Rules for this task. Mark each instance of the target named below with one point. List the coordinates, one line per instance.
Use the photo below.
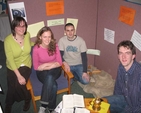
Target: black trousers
(17, 92)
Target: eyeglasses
(23, 26)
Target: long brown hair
(52, 44)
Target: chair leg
(29, 87)
(33, 101)
(69, 85)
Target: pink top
(40, 56)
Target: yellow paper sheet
(104, 107)
(34, 28)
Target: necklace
(18, 41)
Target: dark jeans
(17, 92)
(49, 88)
(117, 103)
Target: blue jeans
(77, 71)
(49, 88)
(117, 103)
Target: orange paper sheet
(127, 15)
(54, 8)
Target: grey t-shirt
(72, 49)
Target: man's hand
(86, 77)
(67, 67)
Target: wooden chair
(35, 86)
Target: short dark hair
(127, 44)
(16, 22)
(68, 24)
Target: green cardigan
(15, 55)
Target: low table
(87, 103)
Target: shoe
(26, 105)
(42, 110)
(8, 109)
(53, 112)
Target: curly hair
(52, 45)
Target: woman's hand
(41, 67)
(21, 80)
(48, 66)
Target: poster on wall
(134, 1)
(17, 9)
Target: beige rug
(100, 85)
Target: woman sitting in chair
(47, 61)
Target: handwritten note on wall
(127, 15)
(55, 22)
(54, 8)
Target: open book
(73, 100)
(76, 110)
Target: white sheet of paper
(0, 89)
(109, 35)
(55, 22)
(1, 110)
(136, 39)
(67, 110)
(81, 110)
(59, 107)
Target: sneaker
(42, 110)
